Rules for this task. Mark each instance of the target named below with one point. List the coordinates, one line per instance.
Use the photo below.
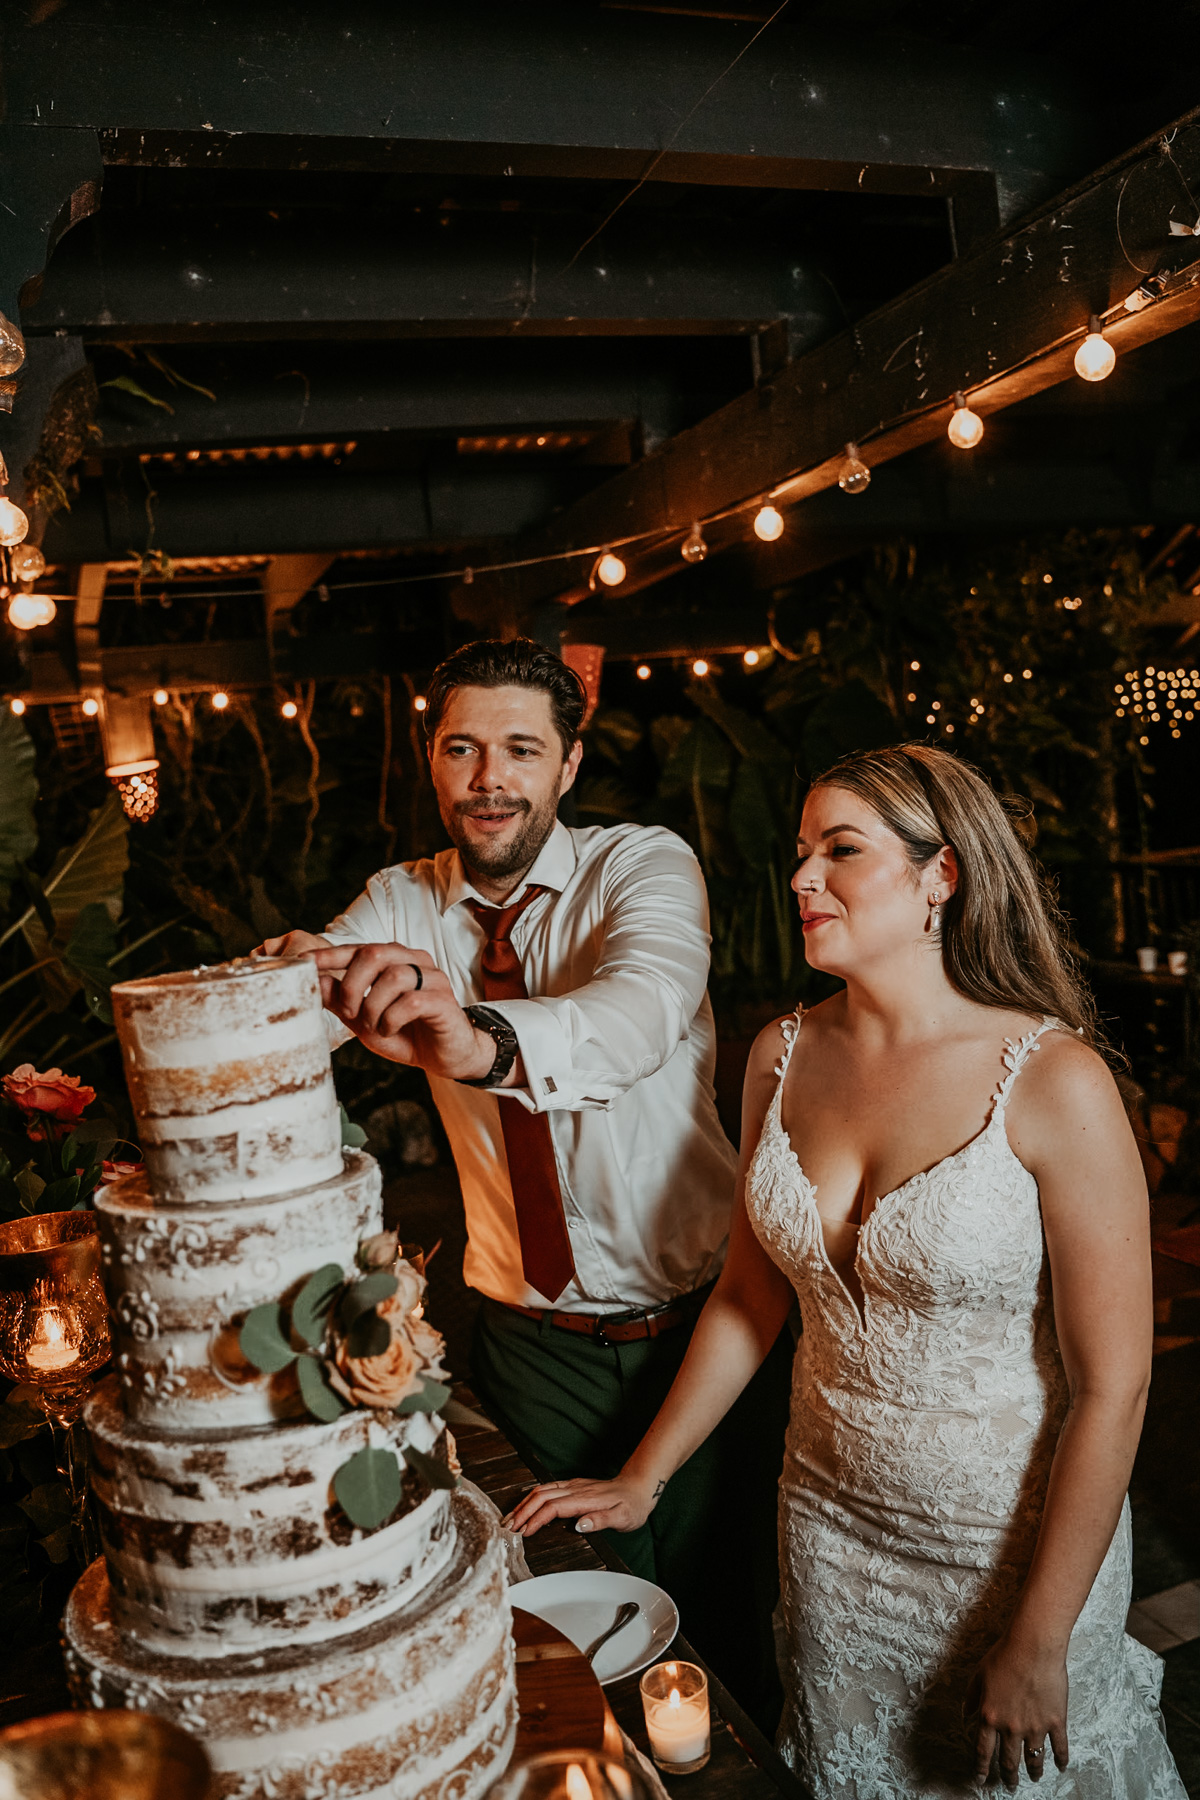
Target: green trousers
(572, 1405)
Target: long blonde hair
(1003, 938)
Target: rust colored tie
(546, 1256)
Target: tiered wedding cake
(316, 1659)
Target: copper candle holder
(107, 1755)
(54, 1336)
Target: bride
(937, 1161)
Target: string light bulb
(966, 427)
(13, 524)
(1095, 358)
(161, 696)
(643, 671)
(220, 700)
(90, 707)
(420, 703)
(750, 658)
(768, 524)
(855, 477)
(289, 709)
(27, 563)
(610, 569)
(699, 667)
(12, 347)
(17, 707)
(27, 611)
(694, 549)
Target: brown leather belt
(623, 1327)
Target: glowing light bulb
(161, 696)
(643, 671)
(1095, 358)
(855, 477)
(914, 666)
(27, 563)
(966, 427)
(750, 658)
(289, 709)
(768, 524)
(28, 611)
(699, 667)
(90, 708)
(694, 549)
(13, 524)
(420, 703)
(610, 570)
(220, 701)
(17, 707)
(12, 347)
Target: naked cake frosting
(317, 1658)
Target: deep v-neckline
(1014, 1056)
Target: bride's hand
(620, 1505)
(1019, 1698)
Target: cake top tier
(228, 1072)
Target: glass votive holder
(570, 1775)
(54, 1332)
(675, 1702)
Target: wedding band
(416, 969)
(1034, 1753)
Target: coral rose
(380, 1251)
(54, 1095)
(387, 1379)
(429, 1345)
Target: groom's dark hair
(509, 662)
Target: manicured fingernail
(584, 1525)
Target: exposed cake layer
(180, 1280)
(229, 1075)
(232, 1542)
(419, 1706)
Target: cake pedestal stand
(561, 1703)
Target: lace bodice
(922, 1432)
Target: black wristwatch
(505, 1040)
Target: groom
(551, 983)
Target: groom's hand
(399, 1004)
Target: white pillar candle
(675, 1701)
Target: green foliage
(368, 1336)
(368, 1487)
(263, 1339)
(85, 879)
(353, 1136)
(435, 1473)
(364, 1295)
(320, 1399)
(18, 791)
(128, 385)
(433, 1397)
(310, 1310)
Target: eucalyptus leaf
(432, 1397)
(321, 1400)
(368, 1487)
(362, 1295)
(353, 1136)
(310, 1310)
(368, 1336)
(456, 1413)
(429, 1469)
(263, 1340)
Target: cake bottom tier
(420, 1705)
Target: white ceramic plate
(582, 1603)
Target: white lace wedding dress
(921, 1437)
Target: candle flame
(673, 1698)
(578, 1785)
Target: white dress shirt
(618, 1045)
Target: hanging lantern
(137, 784)
(129, 759)
(12, 347)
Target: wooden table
(743, 1766)
(562, 1705)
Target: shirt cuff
(552, 1082)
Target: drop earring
(935, 914)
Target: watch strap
(505, 1040)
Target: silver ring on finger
(420, 983)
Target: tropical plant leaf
(430, 1470)
(752, 817)
(263, 1340)
(748, 735)
(18, 792)
(364, 1294)
(614, 733)
(432, 1397)
(128, 385)
(368, 1336)
(848, 718)
(88, 872)
(321, 1400)
(310, 1309)
(368, 1487)
(235, 936)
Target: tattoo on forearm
(658, 1490)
